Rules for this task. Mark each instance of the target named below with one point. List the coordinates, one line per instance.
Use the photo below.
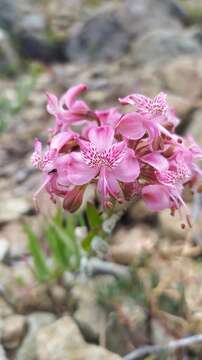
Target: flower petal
(59, 140)
(79, 173)
(52, 105)
(131, 126)
(108, 186)
(102, 137)
(156, 197)
(128, 169)
(156, 160)
(70, 96)
(61, 165)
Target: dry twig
(172, 345)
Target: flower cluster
(124, 154)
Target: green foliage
(41, 268)
(23, 89)
(60, 249)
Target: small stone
(63, 340)
(14, 329)
(101, 37)
(36, 321)
(12, 208)
(20, 288)
(182, 73)
(4, 248)
(5, 309)
(2, 354)
(132, 243)
(195, 127)
(59, 296)
(163, 44)
(89, 315)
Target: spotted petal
(101, 137)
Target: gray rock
(36, 321)
(4, 248)
(142, 16)
(8, 57)
(195, 127)
(2, 354)
(164, 44)
(8, 14)
(18, 284)
(100, 38)
(5, 309)
(137, 330)
(63, 340)
(89, 315)
(13, 331)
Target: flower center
(110, 158)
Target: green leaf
(57, 249)
(86, 243)
(71, 246)
(94, 219)
(41, 268)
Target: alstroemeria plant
(124, 154)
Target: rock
(195, 127)
(182, 105)
(19, 286)
(100, 38)
(89, 315)
(8, 14)
(163, 44)
(132, 243)
(12, 208)
(4, 247)
(143, 16)
(91, 352)
(8, 57)
(2, 353)
(134, 324)
(159, 334)
(170, 226)
(63, 340)
(5, 309)
(182, 73)
(14, 329)
(36, 321)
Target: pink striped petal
(108, 185)
(79, 173)
(70, 96)
(59, 140)
(52, 105)
(131, 126)
(128, 170)
(102, 137)
(156, 197)
(156, 160)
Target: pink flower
(158, 107)
(149, 117)
(68, 109)
(135, 154)
(111, 161)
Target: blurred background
(115, 47)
